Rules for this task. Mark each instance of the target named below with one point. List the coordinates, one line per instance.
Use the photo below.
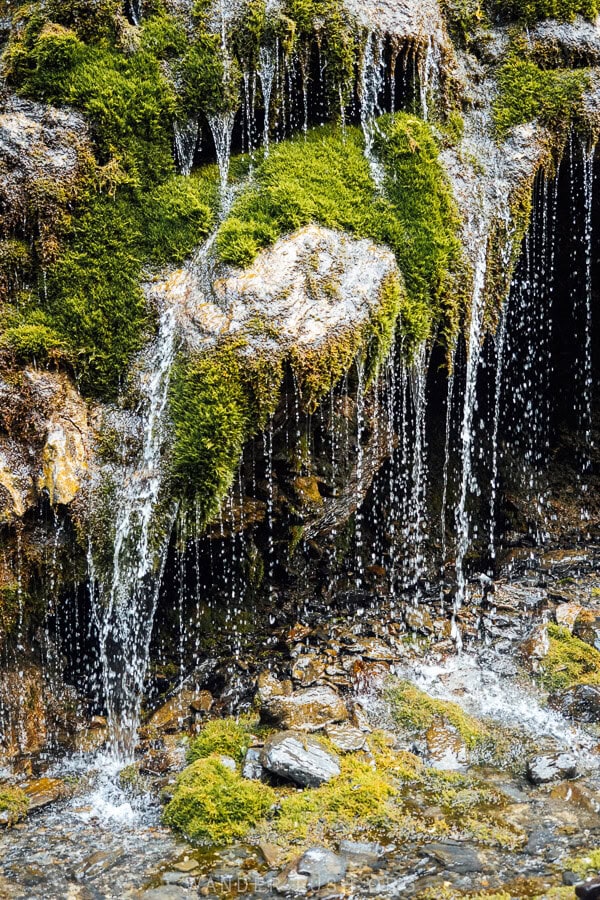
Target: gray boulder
(299, 758)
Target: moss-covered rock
(212, 804)
(569, 661)
(229, 737)
(14, 804)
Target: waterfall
(587, 379)
(124, 606)
(466, 436)
(266, 73)
(429, 75)
(186, 139)
(221, 126)
(371, 82)
(446, 466)
(135, 9)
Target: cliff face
(319, 200)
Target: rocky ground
(374, 762)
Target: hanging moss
(325, 178)
(526, 93)
(529, 12)
(219, 398)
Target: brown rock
(307, 710)
(308, 668)
(535, 647)
(44, 791)
(346, 738)
(202, 702)
(566, 614)
(172, 714)
(269, 686)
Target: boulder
(309, 709)
(549, 767)
(455, 857)
(299, 758)
(588, 890)
(581, 703)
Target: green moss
(211, 804)
(569, 661)
(527, 92)
(584, 864)
(218, 400)
(14, 803)
(325, 178)
(226, 736)
(530, 11)
(417, 712)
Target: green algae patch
(324, 178)
(14, 804)
(213, 805)
(228, 737)
(583, 865)
(527, 93)
(569, 661)
(381, 795)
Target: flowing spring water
(371, 83)
(125, 605)
(221, 126)
(466, 437)
(186, 141)
(429, 76)
(266, 72)
(588, 384)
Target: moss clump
(14, 804)
(528, 92)
(220, 736)
(211, 804)
(584, 865)
(218, 400)
(325, 178)
(528, 12)
(84, 307)
(417, 712)
(569, 661)
(381, 795)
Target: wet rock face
(306, 288)
(581, 703)
(300, 759)
(307, 710)
(42, 152)
(45, 442)
(551, 767)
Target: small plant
(14, 804)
